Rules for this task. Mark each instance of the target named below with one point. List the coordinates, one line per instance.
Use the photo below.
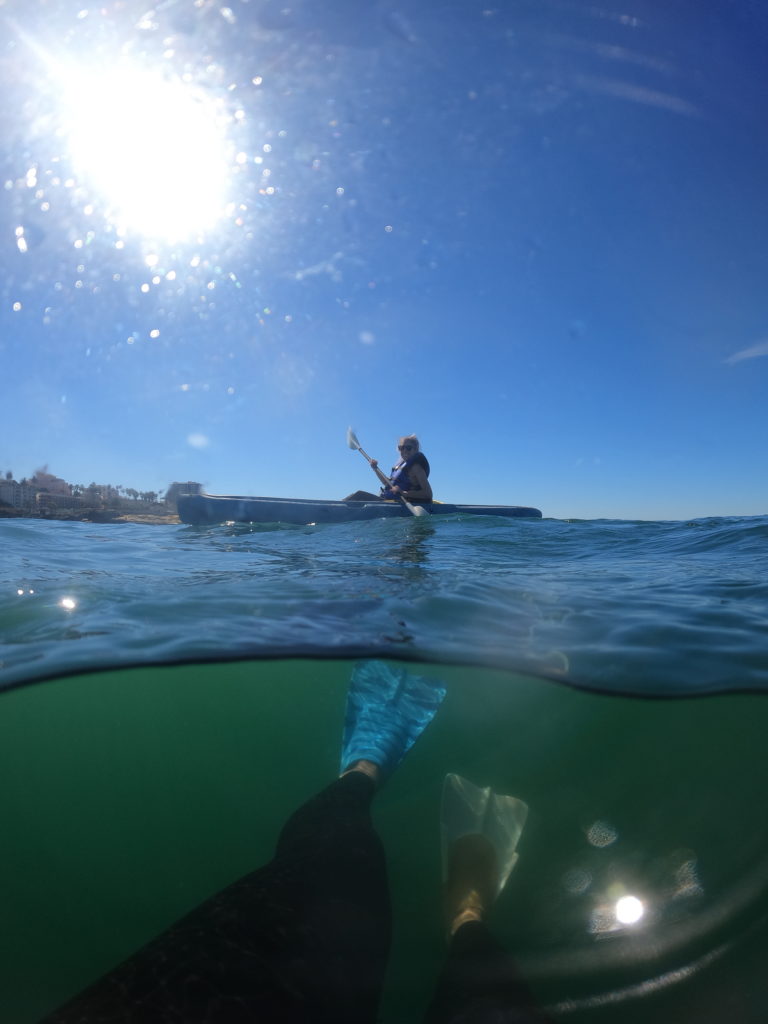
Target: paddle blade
(419, 511)
(352, 441)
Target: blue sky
(533, 234)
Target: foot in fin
(480, 831)
(387, 711)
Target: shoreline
(171, 519)
(100, 516)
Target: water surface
(630, 607)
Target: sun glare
(629, 910)
(153, 148)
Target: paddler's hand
(374, 463)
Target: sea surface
(647, 608)
(171, 693)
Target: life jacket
(400, 476)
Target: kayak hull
(223, 508)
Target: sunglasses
(405, 447)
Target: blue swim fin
(387, 711)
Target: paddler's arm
(384, 479)
(420, 491)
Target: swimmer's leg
(480, 983)
(302, 940)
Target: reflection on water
(130, 797)
(412, 552)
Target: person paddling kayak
(407, 479)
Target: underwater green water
(130, 796)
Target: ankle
(464, 917)
(365, 768)
(470, 888)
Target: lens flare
(153, 147)
(629, 910)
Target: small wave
(652, 608)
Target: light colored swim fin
(468, 809)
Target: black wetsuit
(303, 940)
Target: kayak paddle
(354, 444)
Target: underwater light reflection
(629, 910)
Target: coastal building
(44, 500)
(17, 495)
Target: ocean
(171, 693)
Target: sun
(152, 147)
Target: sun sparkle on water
(153, 148)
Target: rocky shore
(162, 517)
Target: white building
(17, 495)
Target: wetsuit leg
(303, 940)
(480, 984)
(338, 874)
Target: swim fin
(469, 810)
(387, 711)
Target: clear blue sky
(534, 234)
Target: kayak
(225, 508)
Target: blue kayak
(225, 508)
